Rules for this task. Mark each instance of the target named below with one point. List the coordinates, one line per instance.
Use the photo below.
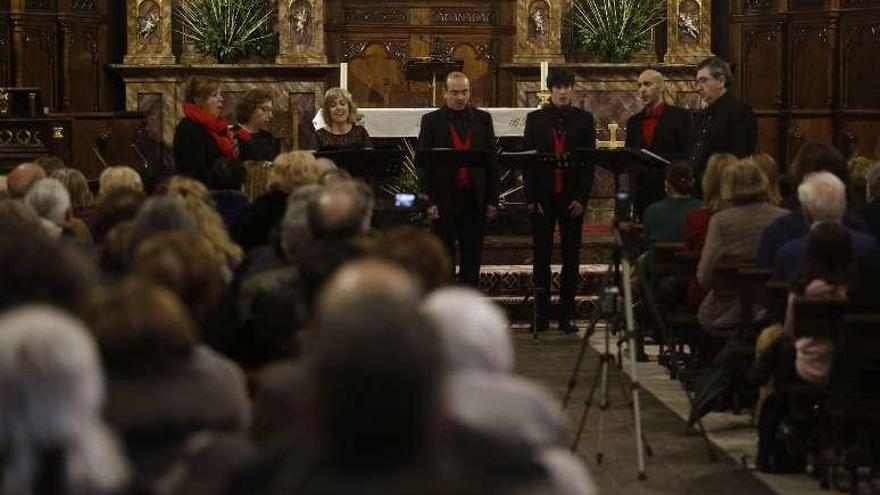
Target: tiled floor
(680, 463)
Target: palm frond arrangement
(614, 29)
(227, 29)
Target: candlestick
(545, 67)
(343, 76)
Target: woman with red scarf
(202, 136)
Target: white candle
(545, 67)
(343, 76)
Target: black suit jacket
(194, 151)
(672, 140)
(580, 132)
(438, 182)
(726, 126)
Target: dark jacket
(580, 132)
(726, 126)
(262, 146)
(438, 182)
(254, 224)
(870, 213)
(194, 150)
(672, 140)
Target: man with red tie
(558, 195)
(660, 128)
(460, 199)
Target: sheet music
(655, 156)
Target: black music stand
(367, 163)
(451, 159)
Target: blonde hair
(743, 182)
(712, 180)
(77, 186)
(330, 98)
(767, 165)
(197, 200)
(119, 177)
(291, 170)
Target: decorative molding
(361, 15)
(855, 34)
(458, 16)
(84, 5)
(398, 50)
(39, 5)
(802, 31)
(353, 49)
(485, 51)
(21, 138)
(770, 33)
(756, 4)
(442, 48)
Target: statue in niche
(148, 20)
(689, 21)
(301, 22)
(539, 21)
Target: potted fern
(227, 29)
(615, 29)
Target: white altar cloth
(404, 122)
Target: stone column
(301, 32)
(149, 32)
(688, 31)
(538, 31)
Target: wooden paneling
(302, 107)
(761, 69)
(36, 48)
(769, 133)
(860, 67)
(860, 134)
(804, 129)
(376, 74)
(811, 65)
(83, 79)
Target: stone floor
(680, 463)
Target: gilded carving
(37, 4)
(397, 50)
(352, 49)
(148, 21)
(21, 138)
(83, 5)
(442, 49)
(376, 16)
(756, 4)
(462, 16)
(301, 32)
(4, 102)
(689, 21)
(539, 21)
(301, 21)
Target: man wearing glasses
(726, 125)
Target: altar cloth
(405, 122)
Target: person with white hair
(822, 196)
(483, 395)
(54, 439)
(50, 199)
(871, 211)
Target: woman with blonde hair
(289, 172)
(734, 232)
(197, 200)
(768, 165)
(81, 198)
(341, 117)
(119, 177)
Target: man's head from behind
(823, 197)
(22, 177)
(377, 371)
(458, 91)
(337, 213)
(818, 157)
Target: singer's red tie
(463, 177)
(558, 149)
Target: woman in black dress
(341, 130)
(202, 136)
(254, 114)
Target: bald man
(660, 128)
(22, 177)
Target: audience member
(733, 233)
(810, 158)
(50, 163)
(81, 198)
(52, 396)
(419, 252)
(15, 216)
(181, 408)
(118, 206)
(333, 176)
(870, 213)
(228, 176)
(4, 188)
(158, 215)
(50, 200)
(857, 167)
(768, 165)
(119, 177)
(256, 223)
(22, 177)
(822, 198)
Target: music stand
(428, 68)
(451, 159)
(367, 163)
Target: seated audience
(810, 158)
(254, 114)
(734, 233)
(768, 165)
(172, 399)
(50, 163)
(857, 168)
(822, 198)
(161, 214)
(50, 200)
(22, 177)
(119, 177)
(4, 188)
(55, 440)
(420, 253)
(81, 198)
(289, 171)
(118, 206)
(870, 213)
(227, 182)
(17, 216)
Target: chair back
(820, 317)
(664, 257)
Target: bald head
(335, 214)
(651, 87)
(368, 278)
(22, 177)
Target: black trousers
(463, 225)
(570, 231)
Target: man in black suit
(558, 196)
(460, 198)
(726, 125)
(660, 128)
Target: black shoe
(541, 324)
(567, 326)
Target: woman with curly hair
(254, 114)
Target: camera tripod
(610, 308)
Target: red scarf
(243, 134)
(558, 149)
(463, 177)
(215, 125)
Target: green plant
(614, 29)
(227, 29)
